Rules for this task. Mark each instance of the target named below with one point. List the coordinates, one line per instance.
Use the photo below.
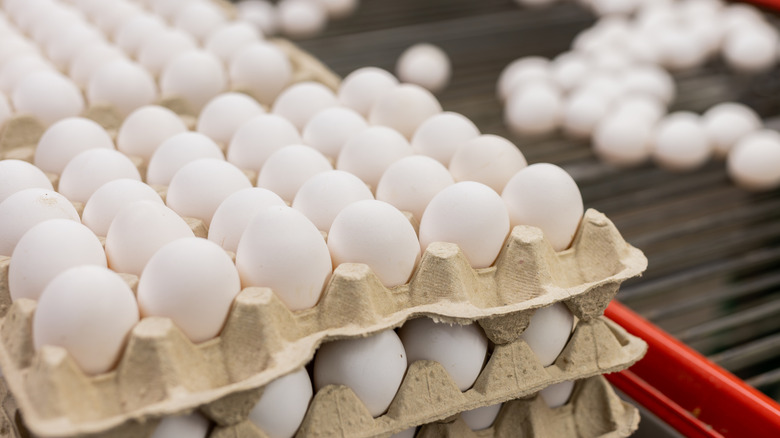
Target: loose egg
(363, 87)
(471, 215)
(441, 135)
(122, 84)
(177, 151)
(371, 151)
(300, 102)
(548, 332)
(25, 208)
(67, 138)
(488, 159)
(146, 128)
(623, 139)
(754, 162)
(192, 426)
(301, 18)
(481, 418)
(260, 69)
(373, 367)
(650, 80)
(284, 402)
(322, 197)
(582, 112)
(284, 251)
(17, 175)
(234, 213)
(545, 196)
(425, 65)
(404, 108)
(229, 38)
(155, 52)
(727, 123)
(643, 106)
(376, 234)
(106, 201)
(328, 130)
(521, 72)
(410, 183)
(18, 68)
(132, 34)
(48, 96)
(197, 189)
(751, 48)
(460, 349)
(89, 311)
(680, 142)
(568, 69)
(558, 394)
(195, 75)
(138, 230)
(259, 13)
(259, 137)
(222, 116)
(679, 49)
(200, 19)
(285, 171)
(90, 169)
(534, 109)
(609, 85)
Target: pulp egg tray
(594, 410)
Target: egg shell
(26, 208)
(481, 418)
(260, 69)
(623, 139)
(643, 106)
(67, 138)
(325, 194)
(558, 394)
(362, 88)
(155, 52)
(650, 80)
(582, 112)
(90, 169)
(368, 153)
(113, 17)
(520, 72)
(410, 183)
(122, 84)
(751, 48)
(48, 96)
(425, 65)
(328, 130)
(234, 213)
(680, 142)
(404, 108)
(18, 68)
(548, 332)
(192, 426)
(300, 102)
(259, 13)
(441, 135)
(108, 199)
(131, 35)
(146, 128)
(231, 37)
(62, 49)
(301, 18)
(679, 49)
(89, 311)
(534, 109)
(285, 171)
(754, 162)
(90, 59)
(195, 75)
(284, 402)
(222, 115)
(727, 123)
(168, 8)
(488, 159)
(17, 175)
(568, 69)
(200, 19)
(176, 152)
(259, 137)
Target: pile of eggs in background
(294, 18)
(263, 174)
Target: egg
(339, 8)
(145, 129)
(471, 215)
(88, 311)
(18, 68)
(410, 183)
(155, 52)
(754, 162)
(568, 69)
(108, 199)
(17, 175)
(259, 13)
(325, 194)
(175, 152)
(138, 230)
(112, 17)
(328, 130)
(301, 18)
(582, 111)
(259, 137)
(442, 134)
(300, 102)
(22, 210)
(192, 426)
(15, 45)
(404, 108)
(284, 402)
(362, 88)
(62, 49)
(643, 106)
(425, 65)
(90, 169)
(195, 75)
(260, 69)
(679, 49)
(284, 251)
(48, 249)
(521, 72)
(548, 332)
(488, 159)
(131, 35)
(200, 19)
(680, 142)
(544, 196)
(751, 48)
(234, 213)
(285, 171)
(609, 85)
(558, 394)
(122, 84)
(222, 115)
(650, 80)
(376, 234)
(623, 139)
(368, 153)
(481, 418)
(727, 123)
(197, 189)
(231, 37)
(90, 59)
(534, 109)
(460, 349)
(167, 8)
(67, 138)
(373, 367)
(48, 96)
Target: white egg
(679, 49)
(754, 162)
(200, 19)
(285, 171)
(488, 159)
(131, 35)
(146, 128)
(751, 48)
(15, 45)
(234, 213)
(67, 138)
(613, 60)
(548, 332)
(322, 197)
(167, 8)
(373, 367)
(643, 106)
(300, 102)
(376, 234)
(642, 48)
(195, 75)
(17, 175)
(114, 16)
(175, 426)
(740, 14)
(193, 282)
(18, 68)
(404, 108)
(63, 48)
(534, 109)
(328, 130)
(90, 169)
(301, 18)
(259, 137)
(138, 230)
(46, 250)
(175, 152)
(363, 87)
(106, 201)
(284, 402)
(370, 152)
(650, 80)
(441, 135)
(25, 208)
(260, 69)
(47, 95)
(680, 142)
(89, 311)
(558, 394)
(339, 8)
(222, 115)
(521, 72)
(90, 59)
(471, 215)
(543, 195)
(426, 65)
(460, 349)
(229, 38)
(284, 251)
(623, 139)
(410, 183)
(259, 13)
(582, 112)
(609, 85)
(481, 418)
(197, 189)
(124, 84)
(155, 52)
(568, 69)
(727, 123)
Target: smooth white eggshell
(643, 106)
(200, 19)
(259, 13)
(15, 45)
(650, 80)
(106, 201)
(132, 34)
(754, 162)
(533, 109)
(377, 234)
(90, 169)
(47, 95)
(284, 251)
(114, 16)
(175, 426)
(25, 208)
(222, 115)
(548, 332)
(727, 123)
(521, 72)
(558, 394)
(324, 195)
(361, 88)
(63, 48)
(259, 137)
(17, 175)
(568, 69)
(67, 138)
(461, 349)
(488, 159)
(284, 402)
(18, 68)
(373, 367)
(441, 135)
(680, 142)
(195, 75)
(751, 48)
(260, 69)
(410, 183)
(155, 52)
(167, 8)
(545, 196)
(300, 102)
(146, 128)
(426, 65)
(90, 59)
(234, 213)
(481, 418)
(404, 108)
(301, 18)
(623, 139)
(175, 152)
(285, 171)
(582, 111)
(229, 38)
(328, 130)
(121, 83)
(371, 151)
(609, 85)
